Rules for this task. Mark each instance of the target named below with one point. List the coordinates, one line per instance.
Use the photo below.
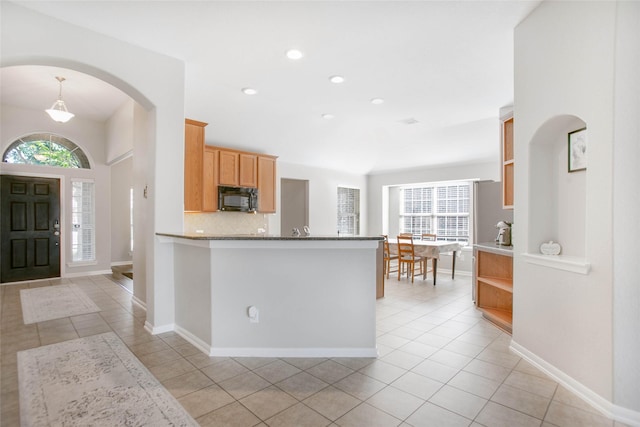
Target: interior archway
(133, 97)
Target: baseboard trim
(626, 416)
(88, 273)
(598, 402)
(195, 341)
(139, 302)
(293, 352)
(119, 263)
(273, 352)
(155, 330)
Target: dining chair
(407, 256)
(429, 237)
(388, 257)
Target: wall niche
(557, 197)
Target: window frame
(75, 151)
(434, 214)
(90, 228)
(353, 212)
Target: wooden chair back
(406, 255)
(406, 250)
(429, 236)
(388, 257)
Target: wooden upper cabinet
(238, 169)
(210, 180)
(507, 163)
(228, 168)
(248, 170)
(193, 164)
(207, 167)
(266, 184)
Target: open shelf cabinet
(494, 287)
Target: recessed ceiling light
(328, 116)
(336, 79)
(249, 91)
(377, 101)
(294, 54)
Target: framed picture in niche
(578, 150)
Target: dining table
(431, 249)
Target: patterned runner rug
(93, 381)
(54, 302)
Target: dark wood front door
(30, 226)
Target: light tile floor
(440, 364)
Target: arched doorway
(154, 81)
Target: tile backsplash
(225, 223)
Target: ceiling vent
(409, 121)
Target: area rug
(92, 381)
(54, 302)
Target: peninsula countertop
(256, 295)
(205, 236)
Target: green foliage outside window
(43, 153)
(46, 150)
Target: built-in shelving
(494, 285)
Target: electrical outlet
(254, 314)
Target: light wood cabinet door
(266, 184)
(193, 164)
(248, 173)
(210, 180)
(507, 163)
(228, 168)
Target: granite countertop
(495, 248)
(204, 236)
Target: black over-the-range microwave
(237, 199)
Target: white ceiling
(448, 65)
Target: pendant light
(58, 110)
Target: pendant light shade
(58, 110)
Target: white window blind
(348, 211)
(83, 234)
(438, 208)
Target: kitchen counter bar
(202, 236)
(315, 296)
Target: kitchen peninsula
(271, 296)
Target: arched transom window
(46, 149)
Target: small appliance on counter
(504, 233)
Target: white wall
(323, 197)
(120, 128)
(156, 82)
(626, 227)
(118, 151)
(121, 184)
(143, 247)
(564, 66)
(89, 135)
